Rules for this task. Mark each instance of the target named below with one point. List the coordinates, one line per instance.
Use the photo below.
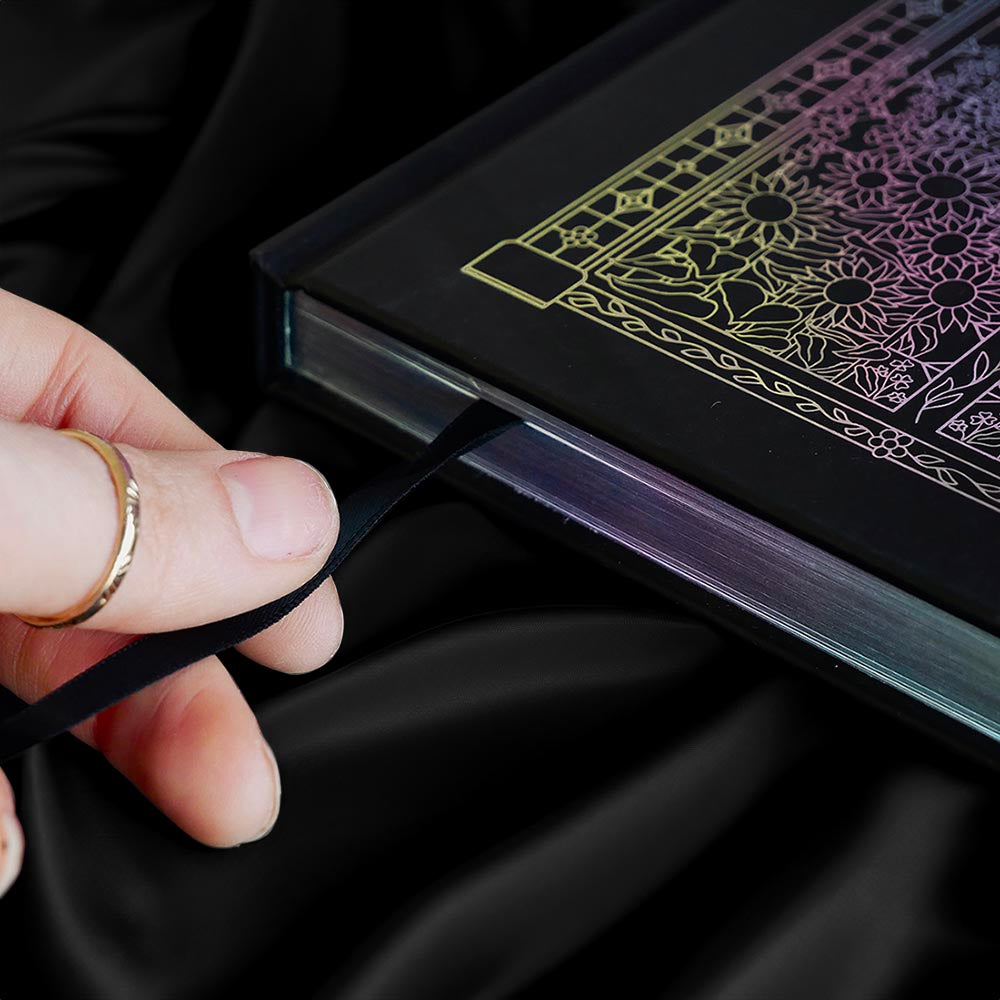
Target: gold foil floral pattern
(827, 241)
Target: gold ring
(128, 519)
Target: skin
(189, 743)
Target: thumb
(219, 532)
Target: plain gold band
(127, 492)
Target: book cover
(763, 255)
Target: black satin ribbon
(155, 656)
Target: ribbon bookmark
(160, 654)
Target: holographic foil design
(828, 241)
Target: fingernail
(284, 508)
(11, 850)
(276, 778)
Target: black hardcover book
(740, 273)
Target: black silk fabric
(521, 776)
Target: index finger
(56, 373)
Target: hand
(220, 532)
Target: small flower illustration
(980, 430)
(878, 379)
(580, 236)
(889, 443)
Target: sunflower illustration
(861, 182)
(963, 298)
(949, 243)
(943, 185)
(771, 211)
(848, 292)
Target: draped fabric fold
(522, 776)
